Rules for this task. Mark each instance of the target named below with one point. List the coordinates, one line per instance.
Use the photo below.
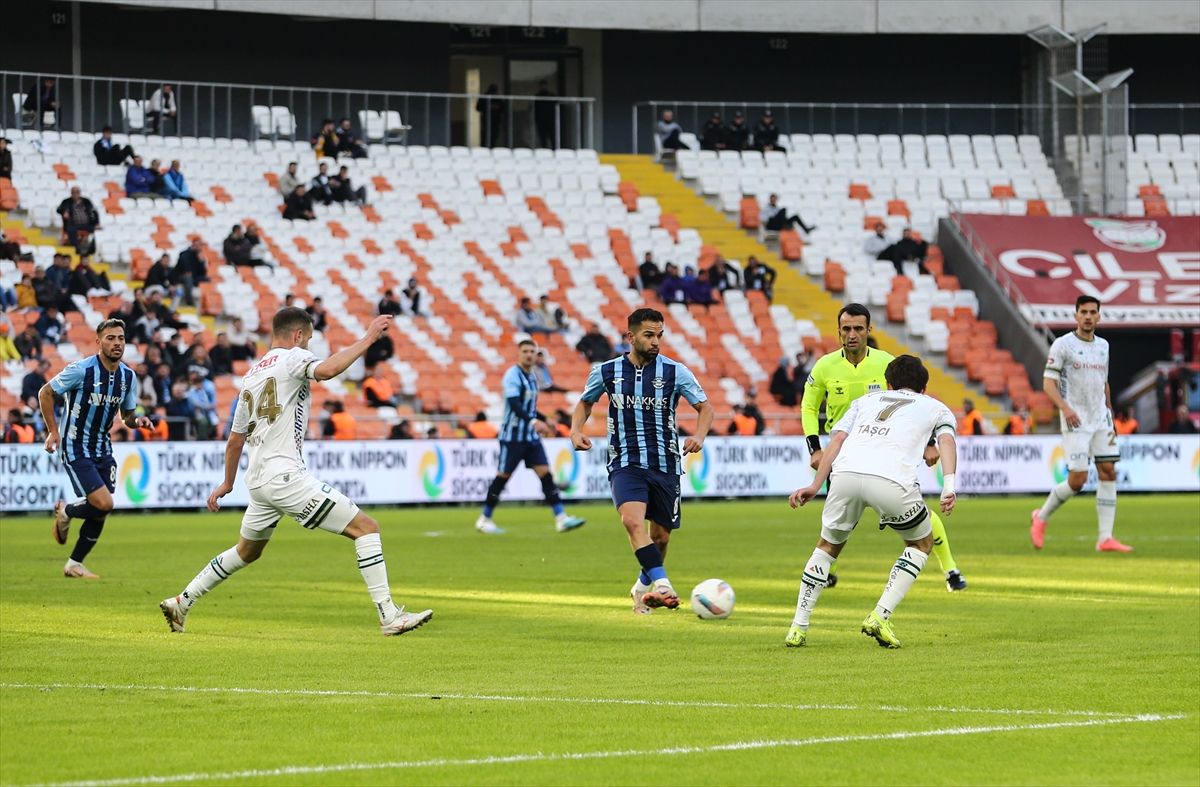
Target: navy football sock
(550, 490)
(651, 560)
(493, 495)
(85, 510)
(89, 533)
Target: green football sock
(941, 546)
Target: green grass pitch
(1060, 667)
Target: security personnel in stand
(737, 136)
(766, 133)
(712, 136)
(17, 430)
(840, 378)
(972, 420)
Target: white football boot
(175, 613)
(639, 606)
(405, 621)
(485, 525)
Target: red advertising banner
(1145, 272)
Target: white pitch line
(298, 770)
(566, 700)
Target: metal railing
(861, 118)
(213, 109)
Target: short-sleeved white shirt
(887, 432)
(1081, 369)
(272, 412)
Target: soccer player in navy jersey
(644, 460)
(521, 441)
(94, 390)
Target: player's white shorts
(1099, 446)
(306, 499)
(899, 508)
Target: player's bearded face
(647, 339)
(112, 345)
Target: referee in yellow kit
(840, 378)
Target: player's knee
(361, 525)
(1076, 483)
(632, 523)
(103, 503)
(661, 537)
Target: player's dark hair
(524, 342)
(854, 310)
(1082, 299)
(907, 371)
(107, 324)
(290, 319)
(643, 315)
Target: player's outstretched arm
(583, 411)
(46, 402)
(340, 361)
(233, 457)
(802, 496)
(949, 454)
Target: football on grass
(713, 599)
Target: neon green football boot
(796, 637)
(881, 630)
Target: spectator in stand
(648, 277)
(672, 289)
(381, 350)
(480, 429)
(750, 408)
(222, 355)
(17, 431)
(51, 326)
(6, 160)
(29, 343)
(343, 190)
(245, 348)
(1125, 423)
(203, 397)
(41, 100)
(783, 388)
(236, 248)
(340, 425)
(877, 242)
(147, 395)
(541, 373)
(1019, 423)
(775, 217)
(321, 186)
(288, 181)
(415, 300)
(972, 420)
(197, 356)
(759, 277)
(190, 269)
(159, 274)
(669, 131)
(595, 346)
(1183, 423)
(529, 320)
(377, 390)
(160, 107)
(491, 114)
(162, 383)
(109, 153)
(174, 184)
(544, 117)
(258, 248)
(33, 381)
(180, 412)
(742, 425)
(804, 365)
(26, 294)
(724, 276)
(80, 220)
(389, 304)
(699, 289)
(53, 287)
(325, 143)
(347, 142)
(158, 189)
(175, 352)
(907, 249)
(552, 317)
(401, 431)
(766, 133)
(317, 312)
(299, 205)
(87, 281)
(9, 249)
(139, 181)
(712, 136)
(737, 136)
(8, 348)
(562, 423)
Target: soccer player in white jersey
(1076, 380)
(272, 418)
(873, 456)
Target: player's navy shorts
(512, 453)
(658, 490)
(88, 475)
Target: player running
(1076, 380)
(644, 464)
(272, 418)
(873, 455)
(520, 441)
(842, 377)
(94, 389)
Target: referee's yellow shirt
(840, 382)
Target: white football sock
(904, 574)
(1106, 507)
(816, 575)
(216, 572)
(374, 573)
(1058, 495)
(640, 587)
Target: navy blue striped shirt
(520, 406)
(641, 410)
(94, 397)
